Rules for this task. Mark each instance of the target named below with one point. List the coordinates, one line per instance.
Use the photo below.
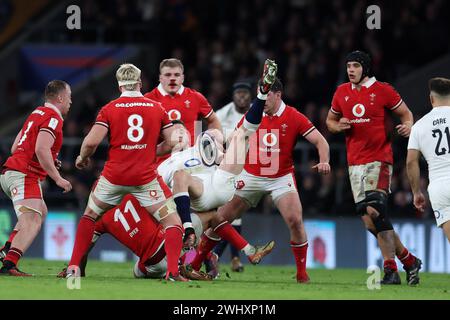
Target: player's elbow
(41, 151)
(411, 163)
(90, 144)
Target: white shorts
(440, 201)
(252, 188)
(218, 189)
(18, 186)
(155, 271)
(148, 194)
(369, 177)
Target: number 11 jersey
(134, 124)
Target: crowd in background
(222, 41)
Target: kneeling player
(133, 227)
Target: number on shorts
(135, 131)
(118, 215)
(24, 135)
(437, 133)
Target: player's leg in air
(231, 166)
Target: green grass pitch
(115, 281)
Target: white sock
(249, 250)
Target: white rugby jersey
(431, 136)
(188, 160)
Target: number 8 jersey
(134, 123)
(48, 119)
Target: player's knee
(181, 176)
(28, 214)
(294, 222)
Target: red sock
(226, 231)
(300, 251)
(407, 258)
(12, 235)
(173, 245)
(83, 239)
(13, 256)
(205, 245)
(390, 264)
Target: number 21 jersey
(431, 136)
(134, 123)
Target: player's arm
(214, 122)
(413, 172)
(90, 144)
(406, 119)
(336, 123)
(43, 152)
(16, 142)
(322, 146)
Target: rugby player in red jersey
(269, 169)
(186, 105)
(131, 225)
(359, 110)
(34, 154)
(134, 124)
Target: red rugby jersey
(133, 227)
(367, 140)
(271, 147)
(45, 118)
(134, 123)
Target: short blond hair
(128, 76)
(171, 63)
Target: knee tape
(167, 209)
(19, 209)
(94, 207)
(378, 201)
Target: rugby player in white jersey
(205, 176)
(430, 136)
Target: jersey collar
(165, 93)
(53, 107)
(131, 94)
(280, 110)
(368, 83)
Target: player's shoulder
(152, 94)
(427, 119)
(343, 87)
(384, 86)
(293, 113)
(47, 116)
(193, 93)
